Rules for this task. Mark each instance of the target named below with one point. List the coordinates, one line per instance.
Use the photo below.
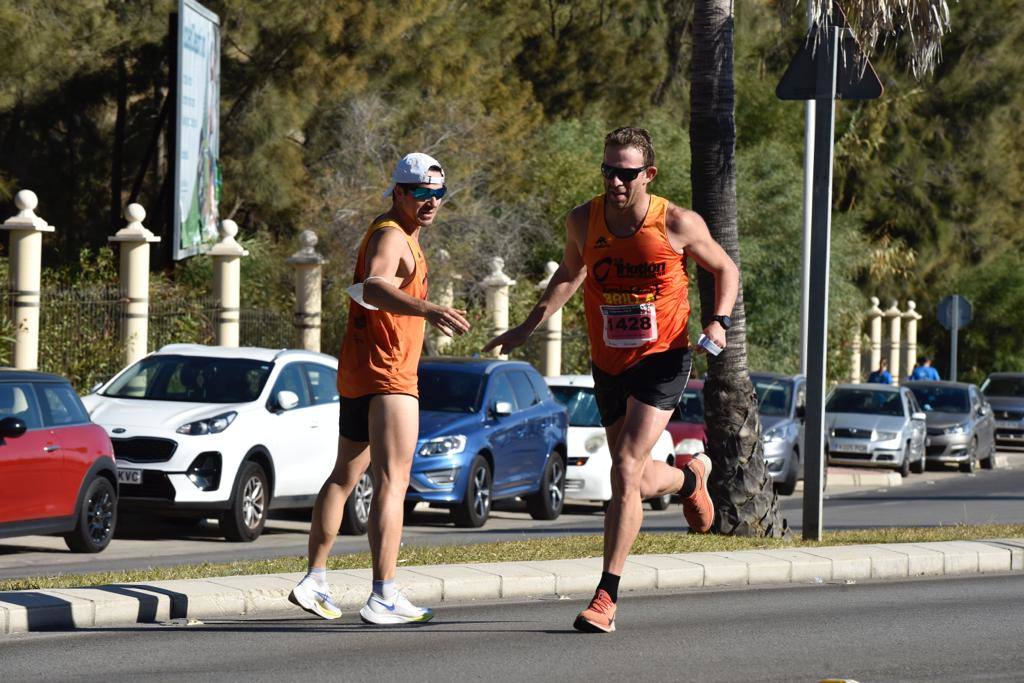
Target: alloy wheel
(253, 502)
(555, 484)
(363, 498)
(99, 516)
(481, 492)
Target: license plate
(838, 448)
(129, 476)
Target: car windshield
(942, 399)
(1003, 386)
(865, 401)
(772, 396)
(450, 391)
(192, 379)
(691, 407)
(581, 404)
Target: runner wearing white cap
(377, 381)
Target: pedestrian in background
(924, 370)
(881, 375)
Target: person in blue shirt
(924, 370)
(881, 375)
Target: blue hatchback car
(489, 429)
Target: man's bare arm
(383, 278)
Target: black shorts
(354, 420)
(657, 380)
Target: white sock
(317, 575)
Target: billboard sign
(197, 130)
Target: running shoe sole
(313, 608)
(368, 616)
(584, 625)
(706, 461)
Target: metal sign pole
(954, 329)
(805, 273)
(817, 332)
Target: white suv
(204, 431)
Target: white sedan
(588, 475)
(202, 431)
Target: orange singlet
(635, 292)
(381, 351)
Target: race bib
(629, 326)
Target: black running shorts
(657, 380)
(354, 420)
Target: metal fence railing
(80, 333)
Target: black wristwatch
(723, 320)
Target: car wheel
(921, 465)
(243, 521)
(407, 509)
(788, 485)
(475, 507)
(905, 465)
(660, 502)
(972, 458)
(548, 501)
(357, 508)
(97, 517)
(989, 463)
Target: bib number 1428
(629, 326)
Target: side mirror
(95, 387)
(286, 400)
(919, 416)
(502, 408)
(12, 427)
(983, 410)
(801, 412)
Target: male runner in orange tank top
(628, 249)
(377, 380)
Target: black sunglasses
(624, 174)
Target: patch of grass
(566, 547)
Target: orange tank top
(381, 351)
(635, 292)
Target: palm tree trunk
(745, 500)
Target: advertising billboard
(197, 130)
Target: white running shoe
(314, 599)
(399, 610)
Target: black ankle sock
(689, 483)
(610, 584)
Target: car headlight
(885, 436)
(210, 425)
(780, 433)
(444, 445)
(956, 429)
(594, 443)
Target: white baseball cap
(413, 168)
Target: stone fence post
(25, 263)
(308, 265)
(855, 362)
(875, 318)
(227, 265)
(894, 316)
(496, 285)
(134, 239)
(551, 361)
(910, 318)
(445, 284)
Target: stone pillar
(895, 318)
(875, 316)
(227, 265)
(444, 283)
(25, 264)
(496, 285)
(551, 361)
(855, 369)
(308, 266)
(910, 318)
(134, 239)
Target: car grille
(144, 449)
(1009, 415)
(851, 433)
(935, 450)
(1010, 434)
(839, 455)
(154, 485)
(936, 431)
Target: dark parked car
(961, 430)
(57, 469)
(489, 430)
(780, 403)
(1005, 393)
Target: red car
(57, 470)
(687, 422)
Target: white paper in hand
(708, 345)
(356, 292)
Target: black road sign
(954, 312)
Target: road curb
(232, 596)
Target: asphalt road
(935, 498)
(954, 629)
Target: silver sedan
(961, 429)
(875, 425)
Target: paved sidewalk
(161, 601)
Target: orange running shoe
(599, 617)
(697, 507)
